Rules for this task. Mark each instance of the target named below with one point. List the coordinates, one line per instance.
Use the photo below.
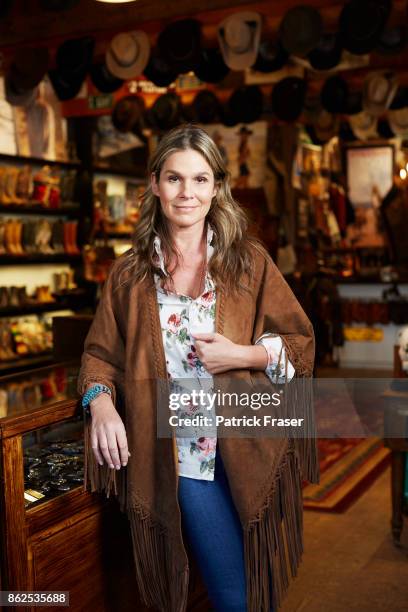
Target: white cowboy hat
(128, 54)
(398, 120)
(363, 125)
(238, 37)
(379, 90)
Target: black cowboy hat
(288, 97)
(165, 112)
(384, 130)
(392, 40)
(245, 105)
(271, 56)
(58, 5)
(354, 103)
(210, 66)
(300, 30)
(158, 69)
(73, 60)
(180, 44)
(103, 79)
(334, 94)
(127, 114)
(327, 54)
(362, 23)
(29, 67)
(206, 107)
(400, 99)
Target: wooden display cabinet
(73, 541)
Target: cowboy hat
(327, 53)
(210, 66)
(361, 24)
(334, 94)
(180, 44)
(379, 90)
(206, 107)
(16, 96)
(245, 104)
(287, 97)
(73, 60)
(271, 56)
(364, 125)
(128, 54)
(158, 70)
(29, 67)
(103, 79)
(165, 112)
(398, 120)
(400, 99)
(392, 40)
(238, 37)
(300, 30)
(354, 103)
(127, 113)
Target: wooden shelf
(25, 363)
(37, 160)
(17, 260)
(70, 303)
(37, 209)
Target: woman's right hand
(108, 435)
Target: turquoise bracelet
(93, 392)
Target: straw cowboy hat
(379, 90)
(398, 120)
(128, 54)
(238, 37)
(363, 125)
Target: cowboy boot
(18, 234)
(67, 245)
(73, 235)
(9, 238)
(2, 237)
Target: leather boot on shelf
(2, 237)
(13, 297)
(58, 236)
(2, 181)
(67, 244)
(10, 185)
(23, 185)
(18, 232)
(9, 237)
(22, 295)
(73, 238)
(4, 297)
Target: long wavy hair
(232, 258)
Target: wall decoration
(244, 150)
(370, 171)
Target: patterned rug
(347, 467)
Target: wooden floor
(350, 563)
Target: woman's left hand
(218, 354)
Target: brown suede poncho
(124, 351)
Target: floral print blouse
(180, 316)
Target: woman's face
(186, 188)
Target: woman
(194, 298)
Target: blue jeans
(213, 529)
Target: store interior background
(312, 116)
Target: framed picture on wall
(370, 170)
